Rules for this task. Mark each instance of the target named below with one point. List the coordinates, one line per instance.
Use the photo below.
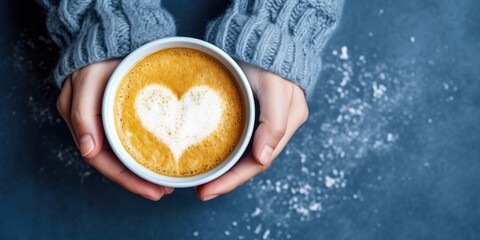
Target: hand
(79, 104)
(283, 109)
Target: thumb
(274, 95)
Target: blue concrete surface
(391, 150)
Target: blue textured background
(391, 150)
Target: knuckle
(75, 74)
(77, 77)
(303, 104)
(277, 131)
(122, 172)
(77, 116)
(306, 113)
(59, 104)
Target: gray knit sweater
(282, 36)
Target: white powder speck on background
(390, 137)
(266, 234)
(257, 212)
(329, 182)
(258, 229)
(344, 53)
(381, 76)
(445, 86)
(378, 90)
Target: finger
(298, 115)
(64, 105)
(89, 85)
(248, 167)
(274, 95)
(108, 165)
(64, 100)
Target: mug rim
(108, 115)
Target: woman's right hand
(79, 104)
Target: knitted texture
(282, 36)
(89, 31)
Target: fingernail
(168, 190)
(210, 197)
(149, 197)
(86, 145)
(266, 155)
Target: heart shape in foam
(179, 123)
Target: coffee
(179, 112)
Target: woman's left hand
(283, 109)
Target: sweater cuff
(115, 35)
(287, 43)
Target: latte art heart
(179, 123)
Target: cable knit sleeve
(282, 36)
(89, 31)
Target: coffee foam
(178, 71)
(179, 124)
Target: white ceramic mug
(128, 63)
